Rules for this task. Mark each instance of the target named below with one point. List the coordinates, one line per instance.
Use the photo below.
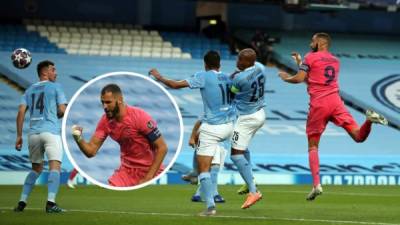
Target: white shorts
(245, 128)
(219, 156)
(210, 140)
(44, 142)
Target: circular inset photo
(122, 131)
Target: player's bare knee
(54, 165)
(359, 140)
(37, 167)
(236, 152)
(204, 163)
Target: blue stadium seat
(16, 36)
(189, 42)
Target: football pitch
(170, 204)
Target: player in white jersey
(46, 103)
(248, 85)
(217, 121)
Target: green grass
(171, 205)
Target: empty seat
(93, 30)
(154, 33)
(156, 54)
(52, 29)
(186, 56)
(31, 27)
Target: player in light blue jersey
(45, 101)
(217, 120)
(248, 85)
(216, 164)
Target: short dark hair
(212, 59)
(43, 64)
(113, 88)
(324, 36)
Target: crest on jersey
(387, 92)
(150, 125)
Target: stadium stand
(16, 36)
(106, 39)
(197, 45)
(8, 108)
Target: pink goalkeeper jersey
(322, 70)
(135, 134)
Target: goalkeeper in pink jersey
(320, 70)
(142, 146)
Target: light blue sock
(245, 171)
(194, 164)
(29, 183)
(214, 178)
(53, 185)
(198, 190)
(207, 188)
(247, 155)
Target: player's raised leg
(244, 189)
(245, 128)
(375, 117)
(360, 134)
(245, 170)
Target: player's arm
(20, 123)
(300, 77)
(61, 110)
(174, 84)
(160, 148)
(297, 58)
(61, 101)
(194, 137)
(90, 148)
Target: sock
(198, 191)
(313, 160)
(214, 178)
(247, 155)
(245, 171)
(29, 183)
(364, 131)
(53, 184)
(73, 174)
(194, 164)
(207, 188)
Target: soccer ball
(21, 58)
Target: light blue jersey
(248, 86)
(214, 88)
(42, 99)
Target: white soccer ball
(21, 58)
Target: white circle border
(94, 181)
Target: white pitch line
(339, 193)
(219, 216)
